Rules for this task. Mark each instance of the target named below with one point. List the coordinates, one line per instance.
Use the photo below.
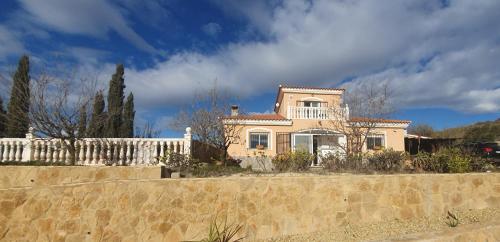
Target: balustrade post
(135, 155)
(1, 151)
(108, 152)
(88, 154)
(121, 158)
(43, 155)
(188, 139)
(6, 151)
(102, 153)
(12, 151)
(61, 151)
(95, 152)
(49, 151)
(18, 152)
(81, 152)
(129, 152)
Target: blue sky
(441, 58)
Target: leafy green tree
(115, 103)
(97, 123)
(128, 118)
(19, 104)
(3, 117)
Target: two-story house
(306, 118)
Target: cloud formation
(86, 17)
(433, 54)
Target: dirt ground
(395, 228)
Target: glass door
(303, 142)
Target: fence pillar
(27, 146)
(188, 138)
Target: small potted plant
(260, 147)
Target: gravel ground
(395, 228)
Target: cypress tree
(128, 118)
(115, 103)
(18, 108)
(82, 122)
(98, 119)
(3, 117)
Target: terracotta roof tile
(379, 120)
(273, 116)
(316, 88)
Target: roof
(273, 116)
(314, 88)
(378, 120)
(279, 95)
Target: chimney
(234, 110)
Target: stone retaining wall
(181, 209)
(28, 176)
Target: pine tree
(82, 122)
(18, 108)
(128, 118)
(98, 119)
(3, 117)
(115, 103)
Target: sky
(441, 58)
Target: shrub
(337, 162)
(178, 161)
(223, 232)
(453, 160)
(292, 161)
(387, 160)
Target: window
(311, 104)
(259, 140)
(375, 141)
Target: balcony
(317, 113)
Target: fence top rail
(12, 139)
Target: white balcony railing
(319, 113)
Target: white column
(128, 157)
(122, 160)
(102, 153)
(67, 155)
(36, 148)
(12, 151)
(49, 151)
(1, 150)
(55, 155)
(81, 152)
(18, 152)
(135, 155)
(116, 153)
(61, 151)
(188, 139)
(88, 154)
(108, 152)
(43, 154)
(6, 151)
(95, 153)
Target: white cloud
(9, 43)
(212, 29)
(87, 17)
(321, 43)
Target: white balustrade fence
(320, 113)
(90, 151)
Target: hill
(481, 131)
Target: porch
(318, 142)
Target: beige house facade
(306, 118)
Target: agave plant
(222, 232)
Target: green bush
(337, 163)
(292, 161)
(387, 160)
(449, 160)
